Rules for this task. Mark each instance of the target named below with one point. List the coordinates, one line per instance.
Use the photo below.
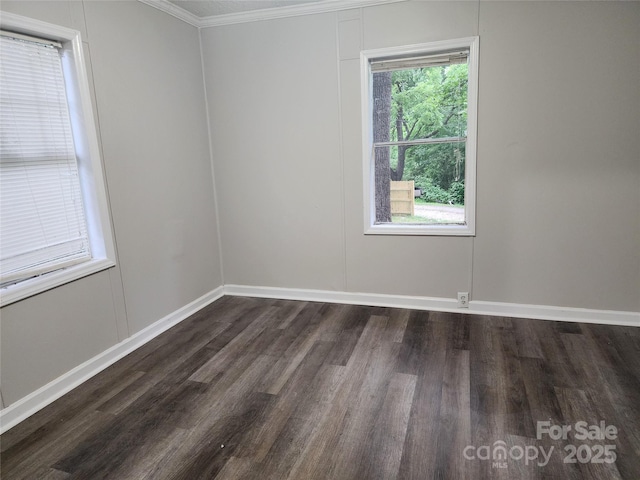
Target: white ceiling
(210, 13)
(208, 8)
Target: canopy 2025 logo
(500, 454)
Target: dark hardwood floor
(271, 389)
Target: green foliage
(456, 193)
(431, 103)
(432, 193)
(443, 164)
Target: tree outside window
(420, 133)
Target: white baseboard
(372, 299)
(562, 314)
(27, 406)
(541, 312)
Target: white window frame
(88, 155)
(370, 227)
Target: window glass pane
(420, 103)
(43, 226)
(421, 184)
(419, 127)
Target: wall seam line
(213, 175)
(345, 278)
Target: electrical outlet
(463, 299)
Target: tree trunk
(397, 174)
(381, 119)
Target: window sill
(425, 230)
(34, 286)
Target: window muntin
(419, 117)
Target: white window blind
(402, 63)
(43, 226)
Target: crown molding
(292, 11)
(323, 6)
(174, 10)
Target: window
(54, 221)
(419, 121)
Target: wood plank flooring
(271, 389)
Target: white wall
(149, 101)
(273, 101)
(558, 160)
